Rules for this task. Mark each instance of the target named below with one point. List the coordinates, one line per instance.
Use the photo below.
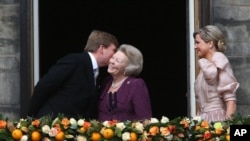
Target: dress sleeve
(209, 70)
(141, 99)
(227, 84)
(220, 60)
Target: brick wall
(9, 58)
(233, 17)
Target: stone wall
(233, 17)
(9, 58)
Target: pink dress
(214, 85)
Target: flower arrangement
(65, 128)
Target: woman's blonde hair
(214, 34)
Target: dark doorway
(157, 28)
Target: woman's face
(117, 64)
(201, 47)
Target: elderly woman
(123, 95)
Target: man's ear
(100, 49)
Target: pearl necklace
(114, 86)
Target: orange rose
(197, 127)
(185, 123)
(86, 125)
(154, 130)
(3, 124)
(65, 122)
(36, 123)
(218, 131)
(164, 131)
(205, 124)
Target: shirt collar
(93, 60)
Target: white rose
(198, 118)
(80, 122)
(46, 139)
(106, 124)
(164, 119)
(139, 126)
(72, 121)
(228, 130)
(126, 136)
(169, 137)
(24, 138)
(22, 120)
(81, 138)
(46, 129)
(18, 125)
(120, 125)
(154, 120)
(187, 119)
(217, 139)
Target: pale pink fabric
(214, 85)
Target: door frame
(193, 14)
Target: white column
(192, 59)
(36, 40)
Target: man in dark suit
(69, 86)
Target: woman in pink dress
(215, 85)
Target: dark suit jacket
(133, 101)
(68, 88)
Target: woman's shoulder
(135, 80)
(220, 60)
(220, 57)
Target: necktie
(96, 72)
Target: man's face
(107, 54)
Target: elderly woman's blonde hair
(135, 59)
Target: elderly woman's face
(117, 63)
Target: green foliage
(178, 129)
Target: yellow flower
(217, 125)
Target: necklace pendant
(117, 85)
